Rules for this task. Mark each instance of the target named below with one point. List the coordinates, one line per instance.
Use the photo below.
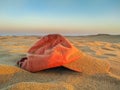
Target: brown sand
(97, 51)
(40, 86)
(90, 65)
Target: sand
(100, 68)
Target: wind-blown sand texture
(98, 48)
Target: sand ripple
(40, 86)
(6, 72)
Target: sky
(60, 16)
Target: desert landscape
(102, 46)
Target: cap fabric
(51, 51)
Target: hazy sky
(60, 16)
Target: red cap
(51, 51)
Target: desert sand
(99, 49)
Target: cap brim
(89, 65)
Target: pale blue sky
(60, 16)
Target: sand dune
(97, 73)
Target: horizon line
(42, 34)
